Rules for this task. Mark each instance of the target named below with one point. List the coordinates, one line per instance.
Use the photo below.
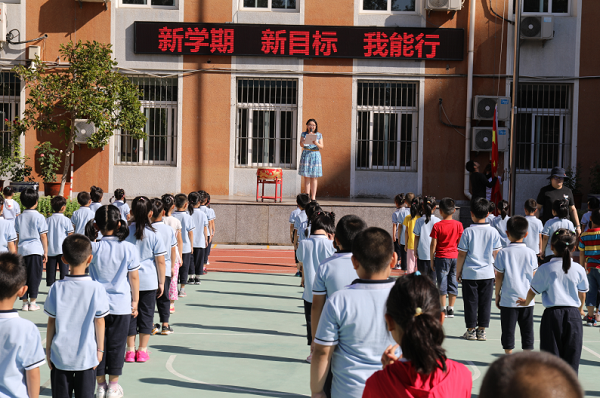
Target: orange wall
(321, 12)
(328, 99)
(64, 21)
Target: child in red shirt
(414, 317)
(444, 252)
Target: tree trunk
(68, 152)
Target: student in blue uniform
(96, 194)
(167, 235)
(302, 200)
(533, 240)
(187, 237)
(76, 307)
(11, 208)
(115, 266)
(422, 231)
(152, 277)
(404, 211)
(563, 284)
(8, 235)
(200, 237)
(84, 214)
(21, 351)
(32, 230)
(515, 266)
(59, 227)
(500, 222)
(560, 211)
(121, 204)
(399, 202)
(477, 249)
(352, 332)
(210, 216)
(312, 251)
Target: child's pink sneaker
(142, 356)
(130, 356)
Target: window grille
(159, 105)
(10, 94)
(267, 112)
(275, 5)
(543, 124)
(389, 5)
(387, 126)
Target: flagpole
(512, 194)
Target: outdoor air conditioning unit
(537, 28)
(443, 5)
(484, 107)
(84, 130)
(481, 139)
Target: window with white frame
(388, 6)
(270, 5)
(150, 3)
(543, 125)
(387, 126)
(159, 105)
(544, 6)
(10, 90)
(267, 114)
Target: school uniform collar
(29, 210)
(180, 211)
(57, 214)
(344, 252)
(7, 314)
(319, 236)
(109, 237)
(517, 243)
(158, 222)
(78, 277)
(482, 224)
(372, 283)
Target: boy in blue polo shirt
(302, 200)
(352, 334)
(75, 336)
(21, 352)
(515, 265)
(533, 239)
(84, 214)
(59, 227)
(187, 237)
(8, 235)
(477, 249)
(33, 246)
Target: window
(544, 6)
(267, 112)
(159, 104)
(543, 127)
(10, 90)
(274, 5)
(150, 3)
(389, 5)
(386, 137)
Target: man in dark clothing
(555, 191)
(479, 182)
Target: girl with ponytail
(560, 211)
(151, 251)
(168, 201)
(414, 317)
(311, 252)
(563, 284)
(500, 222)
(115, 264)
(422, 232)
(416, 211)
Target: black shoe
(449, 313)
(156, 329)
(166, 330)
(197, 281)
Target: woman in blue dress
(310, 161)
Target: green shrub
(46, 210)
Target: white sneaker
(101, 391)
(115, 393)
(34, 307)
(309, 358)
(25, 307)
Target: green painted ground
(242, 335)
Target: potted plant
(595, 180)
(573, 182)
(50, 161)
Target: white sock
(451, 307)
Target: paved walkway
(241, 334)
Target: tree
(88, 88)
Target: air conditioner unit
(481, 139)
(537, 27)
(443, 5)
(484, 106)
(84, 130)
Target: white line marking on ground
(594, 353)
(170, 368)
(476, 372)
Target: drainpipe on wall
(472, 8)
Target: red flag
(496, 189)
